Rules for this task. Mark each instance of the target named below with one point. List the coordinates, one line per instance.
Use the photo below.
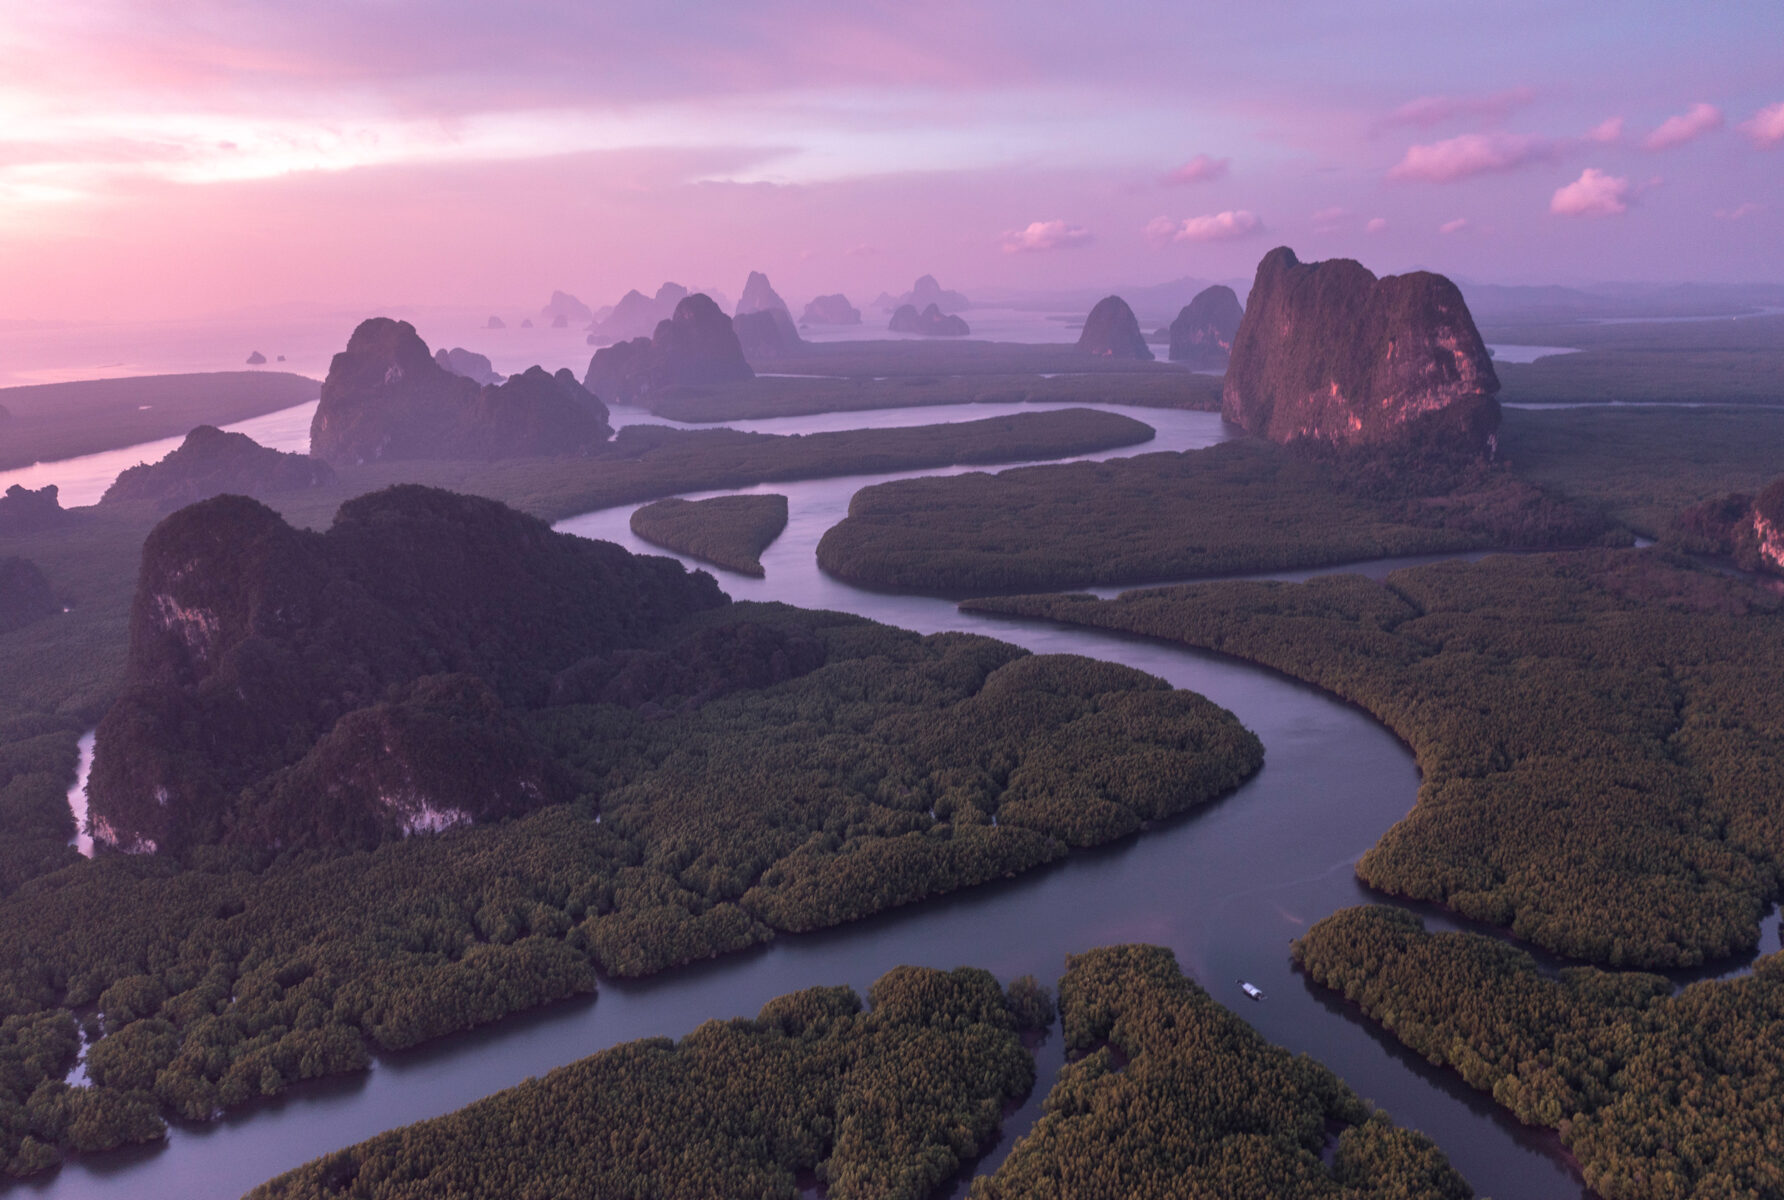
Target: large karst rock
(1326, 351)
(286, 687)
(468, 363)
(931, 322)
(637, 315)
(759, 296)
(1110, 331)
(24, 510)
(833, 309)
(1746, 528)
(386, 398)
(767, 333)
(695, 346)
(563, 308)
(211, 462)
(25, 595)
(1202, 335)
(927, 291)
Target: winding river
(1226, 888)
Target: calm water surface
(1226, 888)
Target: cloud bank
(1593, 194)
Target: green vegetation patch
(1646, 376)
(1601, 734)
(727, 531)
(901, 767)
(781, 396)
(53, 421)
(1240, 506)
(1659, 1096)
(1644, 466)
(1171, 1095)
(884, 1103)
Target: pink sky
(177, 158)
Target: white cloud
(1200, 169)
(1687, 126)
(1766, 127)
(1471, 154)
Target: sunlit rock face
(387, 398)
(289, 687)
(1327, 351)
(1202, 335)
(695, 346)
(1768, 528)
(1112, 332)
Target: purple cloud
(1218, 227)
(1045, 235)
(1766, 127)
(1455, 226)
(1200, 169)
(1427, 111)
(1606, 131)
(1687, 126)
(1471, 154)
(1593, 194)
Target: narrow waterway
(1226, 888)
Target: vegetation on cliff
(728, 531)
(1171, 1095)
(1239, 506)
(1599, 734)
(885, 1102)
(1660, 1096)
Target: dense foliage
(778, 396)
(1660, 1096)
(893, 768)
(883, 1103)
(1601, 734)
(728, 531)
(1239, 506)
(1644, 465)
(25, 595)
(889, 359)
(1172, 1095)
(1643, 376)
(52, 421)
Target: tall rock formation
(211, 462)
(1327, 351)
(637, 315)
(1746, 528)
(25, 595)
(1110, 331)
(927, 291)
(695, 346)
(287, 687)
(386, 398)
(1202, 335)
(767, 333)
(564, 308)
(468, 363)
(833, 309)
(759, 296)
(23, 510)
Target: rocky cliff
(564, 308)
(759, 296)
(1746, 528)
(1326, 351)
(767, 334)
(931, 322)
(25, 594)
(23, 510)
(272, 670)
(468, 363)
(211, 462)
(1110, 331)
(833, 309)
(927, 291)
(695, 346)
(386, 398)
(637, 315)
(1202, 335)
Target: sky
(177, 158)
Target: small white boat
(1252, 990)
